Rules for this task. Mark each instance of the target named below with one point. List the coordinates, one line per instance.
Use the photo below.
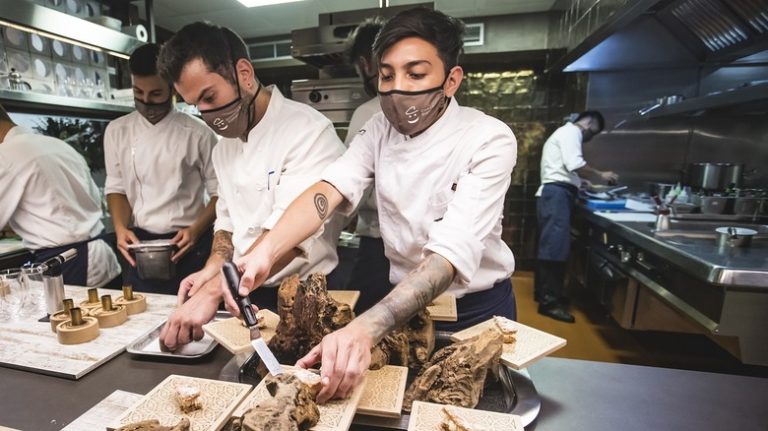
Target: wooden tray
(443, 308)
(383, 392)
(218, 399)
(235, 337)
(335, 415)
(531, 345)
(348, 297)
(104, 412)
(428, 416)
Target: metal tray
(148, 345)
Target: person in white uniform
(370, 272)
(272, 149)
(159, 172)
(441, 172)
(50, 199)
(562, 169)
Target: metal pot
(153, 259)
(747, 205)
(705, 175)
(713, 204)
(734, 236)
(732, 176)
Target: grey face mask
(412, 112)
(232, 120)
(153, 112)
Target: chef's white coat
(163, 169)
(284, 155)
(441, 191)
(367, 213)
(562, 156)
(50, 199)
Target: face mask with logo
(412, 112)
(153, 112)
(233, 119)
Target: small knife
(232, 275)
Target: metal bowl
(153, 259)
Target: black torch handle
(232, 275)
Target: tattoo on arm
(321, 205)
(431, 278)
(222, 244)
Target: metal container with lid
(153, 259)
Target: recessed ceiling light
(257, 3)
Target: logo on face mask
(412, 115)
(220, 123)
(406, 109)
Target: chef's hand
(184, 240)
(586, 185)
(609, 177)
(344, 355)
(126, 236)
(185, 324)
(254, 268)
(191, 284)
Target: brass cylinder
(62, 315)
(93, 295)
(67, 304)
(128, 292)
(70, 333)
(106, 303)
(76, 316)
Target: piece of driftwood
(456, 373)
(291, 406)
(154, 425)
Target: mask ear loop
(251, 114)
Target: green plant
(83, 135)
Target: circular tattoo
(321, 204)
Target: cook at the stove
(441, 172)
(563, 170)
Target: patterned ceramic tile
(335, 415)
(348, 297)
(531, 345)
(384, 391)
(218, 399)
(98, 416)
(28, 344)
(428, 416)
(443, 308)
(235, 337)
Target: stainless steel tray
(148, 345)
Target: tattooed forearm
(321, 205)
(222, 245)
(431, 278)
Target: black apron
(553, 209)
(478, 307)
(75, 271)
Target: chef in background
(49, 199)
(563, 169)
(370, 273)
(159, 171)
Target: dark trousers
(370, 274)
(553, 210)
(75, 271)
(266, 296)
(191, 262)
(478, 307)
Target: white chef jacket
(561, 157)
(367, 213)
(284, 155)
(441, 191)
(49, 198)
(163, 169)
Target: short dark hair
(437, 28)
(362, 37)
(218, 47)
(595, 115)
(143, 61)
(4, 114)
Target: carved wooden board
(428, 416)
(383, 392)
(443, 308)
(218, 399)
(335, 415)
(235, 337)
(98, 416)
(348, 297)
(30, 345)
(531, 345)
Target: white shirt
(285, 154)
(50, 199)
(367, 214)
(163, 169)
(419, 210)
(561, 156)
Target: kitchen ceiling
(282, 18)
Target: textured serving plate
(335, 415)
(443, 308)
(149, 344)
(531, 345)
(235, 337)
(218, 399)
(383, 392)
(428, 416)
(348, 297)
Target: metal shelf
(58, 105)
(731, 97)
